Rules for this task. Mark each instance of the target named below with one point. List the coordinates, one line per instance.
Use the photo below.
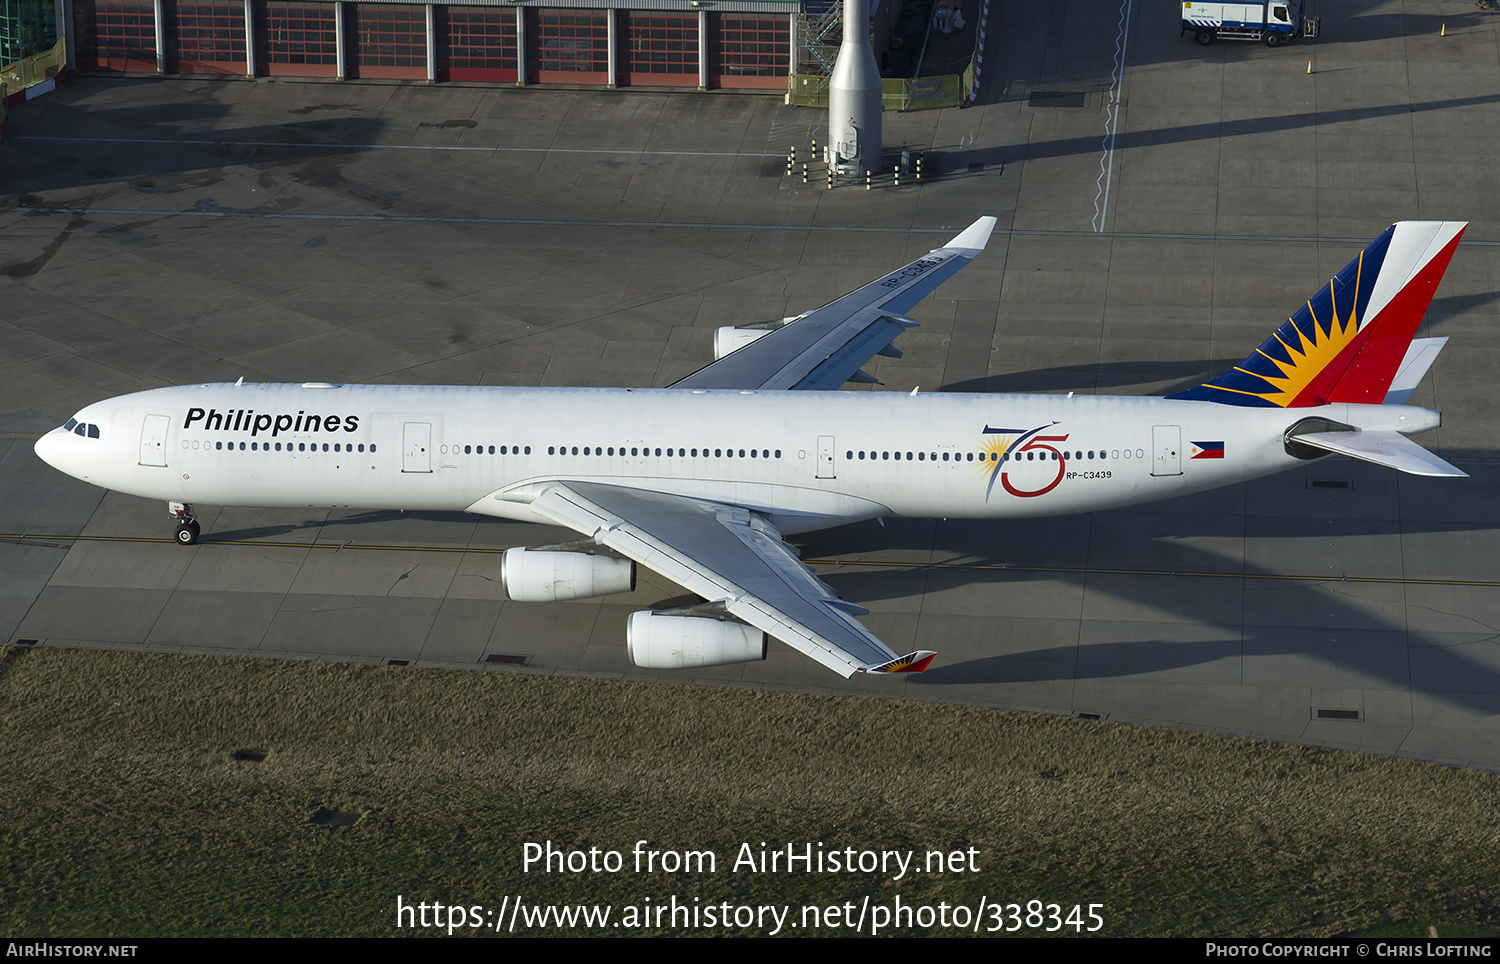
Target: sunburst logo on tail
(1301, 361)
(1300, 352)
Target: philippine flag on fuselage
(1208, 450)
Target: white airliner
(700, 482)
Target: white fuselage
(810, 460)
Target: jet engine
(539, 575)
(732, 338)
(659, 641)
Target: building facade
(658, 43)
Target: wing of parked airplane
(732, 557)
(826, 347)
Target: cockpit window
(81, 429)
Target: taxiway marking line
(715, 226)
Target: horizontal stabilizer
(1419, 357)
(1391, 449)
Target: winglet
(973, 238)
(910, 663)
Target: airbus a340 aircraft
(700, 482)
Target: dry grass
(128, 814)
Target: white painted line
(1112, 119)
(710, 226)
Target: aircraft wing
(826, 347)
(732, 557)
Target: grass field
(172, 795)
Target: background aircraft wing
(826, 347)
(733, 558)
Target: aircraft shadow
(1457, 667)
(945, 161)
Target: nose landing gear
(187, 526)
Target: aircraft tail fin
(1349, 341)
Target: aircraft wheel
(187, 533)
(1271, 39)
(1204, 37)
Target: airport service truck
(1273, 22)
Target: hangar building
(661, 43)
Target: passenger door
(154, 440)
(1166, 450)
(416, 447)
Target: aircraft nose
(49, 448)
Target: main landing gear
(187, 526)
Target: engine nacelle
(686, 642)
(732, 339)
(539, 575)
